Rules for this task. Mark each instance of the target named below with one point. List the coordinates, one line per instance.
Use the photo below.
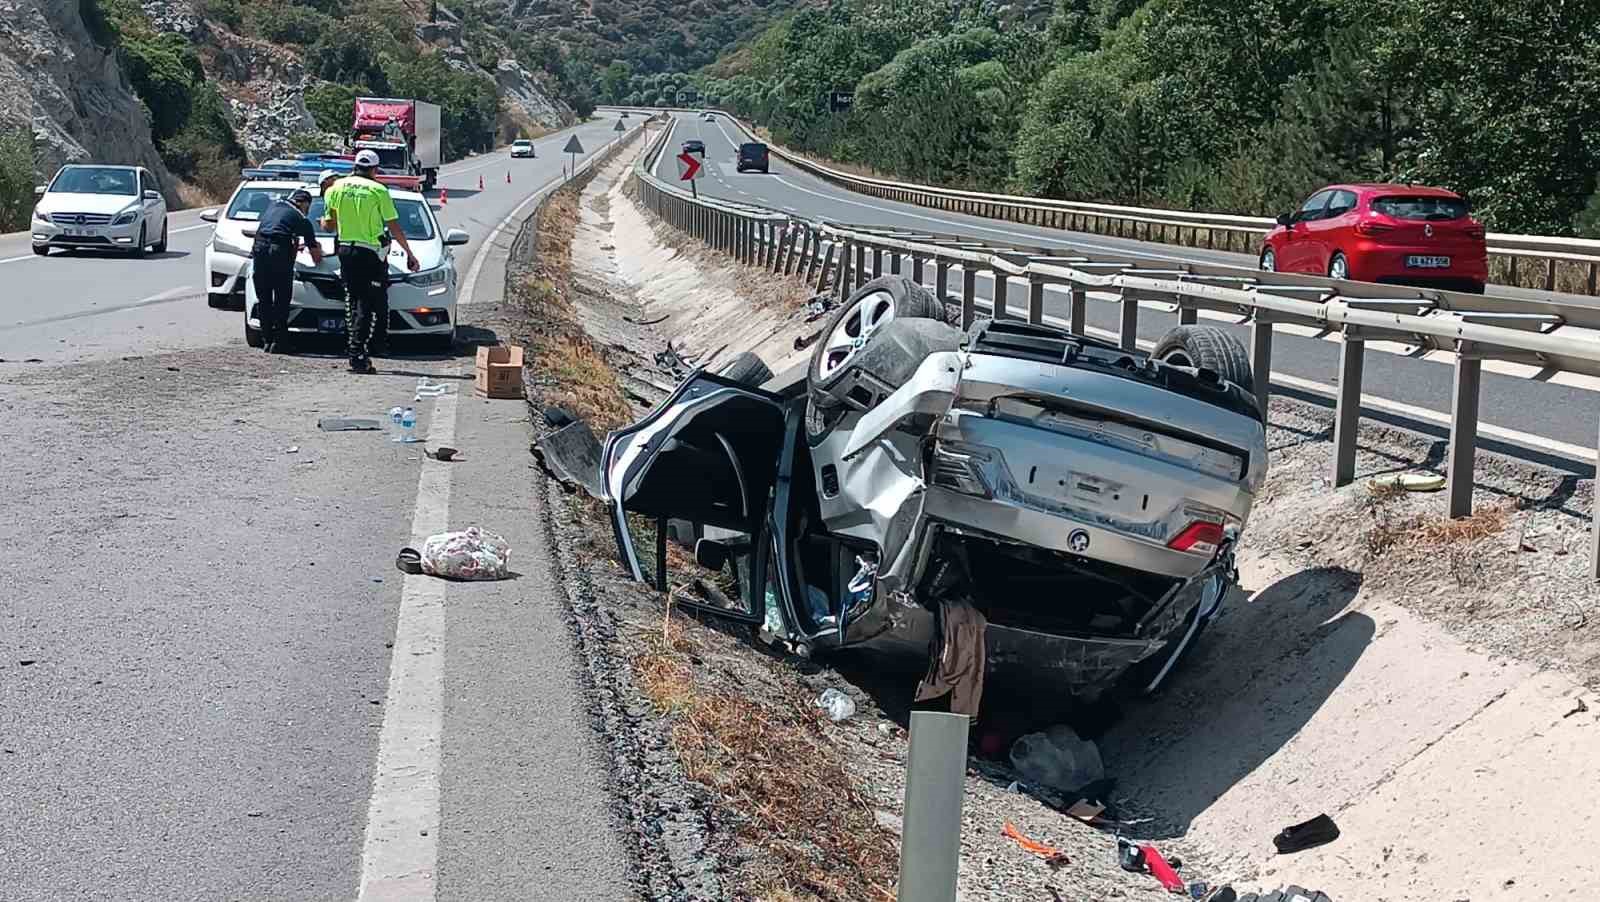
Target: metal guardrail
(1578, 259)
(1475, 328)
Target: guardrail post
(1187, 316)
(1463, 429)
(916, 268)
(1078, 302)
(797, 252)
(969, 295)
(859, 273)
(894, 263)
(941, 279)
(877, 262)
(780, 253)
(1035, 300)
(1261, 360)
(1128, 333)
(999, 298)
(1347, 407)
(842, 280)
(936, 779)
(827, 264)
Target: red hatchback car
(1400, 234)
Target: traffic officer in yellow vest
(359, 211)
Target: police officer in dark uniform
(278, 234)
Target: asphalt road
(1521, 410)
(214, 684)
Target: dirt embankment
(1419, 680)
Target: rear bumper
(1372, 262)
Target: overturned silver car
(1084, 498)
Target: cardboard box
(499, 372)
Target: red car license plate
(1428, 262)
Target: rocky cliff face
(56, 82)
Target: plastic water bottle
(408, 425)
(395, 414)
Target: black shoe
(362, 366)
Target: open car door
(705, 458)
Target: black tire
(161, 246)
(909, 301)
(1210, 348)
(1338, 257)
(139, 249)
(253, 337)
(42, 250)
(746, 369)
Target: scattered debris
(836, 704)
(1409, 482)
(1582, 707)
(444, 453)
(801, 342)
(1160, 869)
(1052, 855)
(672, 361)
(1057, 758)
(571, 455)
(819, 306)
(28, 662)
(471, 554)
(292, 449)
(644, 322)
(347, 424)
(956, 664)
(172, 369)
(1318, 831)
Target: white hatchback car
(229, 250)
(422, 304)
(522, 147)
(100, 208)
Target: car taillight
(1199, 537)
(1371, 227)
(1477, 231)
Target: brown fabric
(956, 662)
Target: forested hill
(1240, 106)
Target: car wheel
(746, 369)
(161, 246)
(252, 337)
(1269, 261)
(1338, 267)
(867, 310)
(42, 250)
(139, 249)
(1209, 348)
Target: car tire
(746, 369)
(867, 309)
(161, 246)
(1269, 260)
(253, 337)
(1338, 266)
(139, 249)
(42, 250)
(1207, 347)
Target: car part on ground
(1084, 499)
(746, 369)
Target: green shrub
(333, 106)
(16, 178)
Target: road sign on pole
(690, 170)
(620, 126)
(573, 147)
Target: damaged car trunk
(1081, 500)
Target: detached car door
(706, 457)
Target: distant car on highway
(1398, 234)
(752, 156)
(100, 208)
(422, 304)
(695, 145)
(228, 250)
(522, 148)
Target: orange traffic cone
(480, 183)
(444, 197)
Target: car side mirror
(456, 238)
(1286, 219)
(210, 216)
(152, 195)
(711, 554)
(39, 190)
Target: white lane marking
(170, 231)
(401, 853)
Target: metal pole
(827, 263)
(1261, 361)
(1035, 301)
(936, 778)
(1463, 430)
(860, 272)
(969, 295)
(841, 282)
(1188, 316)
(999, 299)
(1347, 409)
(1128, 334)
(916, 268)
(894, 263)
(1080, 310)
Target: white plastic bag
(469, 554)
(1057, 758)
(836, 704)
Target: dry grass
(1436, 532)
(774, 765)
(191, 196)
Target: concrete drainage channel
(1349, 622)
